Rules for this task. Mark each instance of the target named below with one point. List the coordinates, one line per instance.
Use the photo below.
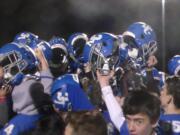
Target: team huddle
(104, 84)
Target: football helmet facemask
(104, 53)
(141, 36)
(16, 59)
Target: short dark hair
(87, 123)
(142, 102)
(173, 88)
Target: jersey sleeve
(46, 80)
(115, 110)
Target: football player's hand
(5, 90)
(104, 79)
(152, 61)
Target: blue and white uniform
(27, 113)
(67, 94)
(174, 120)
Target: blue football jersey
(174, 120)
(19, 124)
(111, 128)
(67, 94)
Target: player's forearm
(114, 108)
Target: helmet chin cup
(105, 70)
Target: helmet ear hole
(104, 44)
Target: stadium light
(163, 34)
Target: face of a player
(139, 124)
(165, 97)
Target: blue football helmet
(16, 60)
(32, 41)
(59, 63)
(174, 65)
(141, 36)
(76, 44)
(59, 52)
(25, 38)
(44, 46)
(104, 53)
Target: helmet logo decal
(147, 29)
(24, 36)
(95, 38)
(62, 98)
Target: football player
(140, 112)
(27, 113)
(170, 103)
(137, 54)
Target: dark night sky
(63, 17)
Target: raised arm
(114, 108)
